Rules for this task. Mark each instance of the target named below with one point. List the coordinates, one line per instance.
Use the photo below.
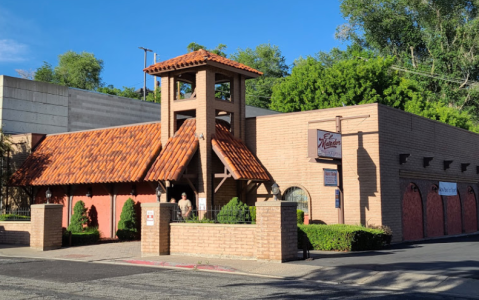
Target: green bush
(196, 219)
(12, 217)
(79, 218)
(127, 227)
(87, 237)
(234, 212)
(341, 237)
(252, 213)
(299, 216)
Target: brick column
(276, 231)
(46, 230)
(155, 237)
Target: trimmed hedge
(341, 237)
(235, 212)
(299, 216)
(127, 227)
(88, 237)
(252, 213)
(12, 217)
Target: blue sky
(35, 31)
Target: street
(25, 278)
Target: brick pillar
(155, 236)
(46, 230)
(276, 231)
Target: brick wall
(13, 232)
(214, 240)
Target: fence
(222, 215)
(17, 214)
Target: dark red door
(454, 217)
(434, 213)
(412, 214)
(470, 211)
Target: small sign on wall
(330, 177)
(447, 188)
(150, 217)
(337, 199)
(202, 204)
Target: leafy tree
(78, 70)
(127, 227)
(268, 59)
(219, 50)
(79, 218)
(128, 92)
(154, 96)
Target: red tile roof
(176, 155)
(196, 58)
(120, 154)
(236, 157)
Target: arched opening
(412, 219)
(300, 196)
(454, 215)
(434, 213)
(470, 211)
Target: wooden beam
(221, 183)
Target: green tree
(127, 92)
(154, 96)
(219, 50)
(79, 218)
(268, 59)
(127, 227)
(78, 70)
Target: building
(391, 169)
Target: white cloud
(12, 51)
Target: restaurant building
(367, 164)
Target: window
(222, 87)
(298, 195)
(185, 87)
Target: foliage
(127, 92)
(219, 50)
(154, 96)
(78, 70)
(343, 237)
(79, 218)
(14, 217)
(127, 227)
(252, 213)
(265, 58)
(91, 235)
(196, 219)
(299, 216)
(234, 212)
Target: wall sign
(337, 199)
(447, 188)
(330, 177)
(150, 220)
(329, 144)
(202, 204)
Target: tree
(26, 74)
(219, 50)
(78, 70)
(127, 92)
(79, 218)
(268, 59)
(127, 227)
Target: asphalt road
(22, 278)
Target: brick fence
(273, 238)
(15, 232)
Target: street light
(144, 73)
(158, 193)
(48, 194)
(275, 190)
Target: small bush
(341, 237)
(79, 218)
(127, 227)
(87, 237)
(299, 216)
(196, 219)
(13, 217)
(234, 212)
(252, 213)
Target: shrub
(299, 216)
(79, 218)
(252, 213)
(13, 217)
(234, 212)
(342, 237)
(127, 228)
(196, 219)
(87, 237)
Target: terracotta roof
(196, 58)
(120, 154)
(176, 155)
(236, 157)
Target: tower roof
(195, 59)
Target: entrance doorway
(178, 189)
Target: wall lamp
(133, 191)
(48, 194)
(89, 193)
(158, 193)
(275, 191)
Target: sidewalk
(316, 270)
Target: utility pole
(144, 73)
(156, 80)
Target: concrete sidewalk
(316, 270)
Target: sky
(33, 31)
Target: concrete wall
(15, 232)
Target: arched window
(298, 195)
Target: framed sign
(150, 220)
(202, 204)
(329, 144)
(447, 188)
(330, 177)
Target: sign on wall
(150, 220)
(330, 177)
(202, 204)
(329, 144)
(337, 198)
(447, 188)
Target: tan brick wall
(15, 232)
(213, 240)
(155, 239)
(46, 226)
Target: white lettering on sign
(447, 188)
(330, 177)
(202, 204)
(150, 217)
(329, 144)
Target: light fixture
(201, 137)
(158, 193)
(133, 190)
(275, 191)
(48, 194)
(89, 193)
